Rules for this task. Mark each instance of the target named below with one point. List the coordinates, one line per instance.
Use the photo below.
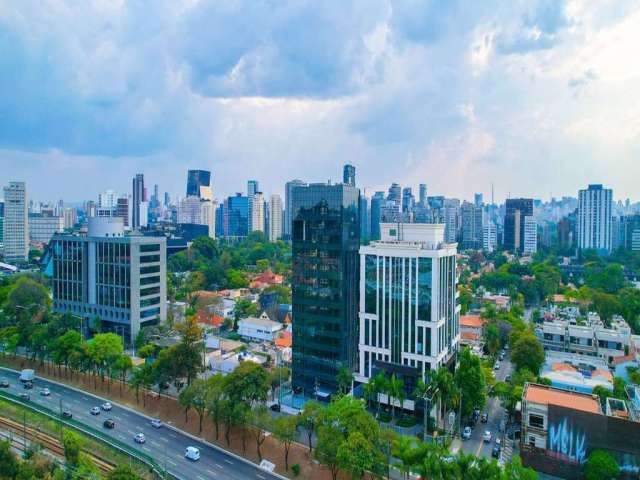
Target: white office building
(594, 218)
(42, 227)
(16, 222)
(451, 219)
(409, 320)
(530, 235)
(489, 236)
(107, 199)
(257, 212)
(275, 217)
(192, 209)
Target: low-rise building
(578, 373)
(261, 329)
(471, 330)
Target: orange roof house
(471, 321)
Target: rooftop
(545, 395)
(471, 321)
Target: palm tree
(403, 450)
(379, 385)
(395, 390)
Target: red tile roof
(545, 395)
(472, 321)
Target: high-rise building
(631, 229)
(514, 222)
(252, 189)
(122, 210)
(489, 237)
(565, 233)
(288, 205)
(594, 218)
(365, 224)
(70, 216)
(167, 199)
(257, 212)
(275, 217)
(395, 193)
(423, 195)
(236, 216)
(471, 218)
(325, 241)
(1, 225)
(451, 213)
(137, 198)
(198, 185)
(42, 226)
(477, 200)
(208, 216)
(118, 278)
(107, 199)
(349, 175)
(16, 222)
(408, 316)
(530, 245)
(377, 202)
(407, 200)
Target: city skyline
(536, 99)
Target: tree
(344, 378)
(601, 466)
(379, 385)
(142, 377)
(215, 399)
(72, 443)
(285, 429)
(606, 304)
(123, 365)
(395, 391)
(194, 396)
(329, 440)
(9, 466)
(492, 338)
(27, 297)
(470, 382)
(276, 377)
(527, 352)
(123, 472)
(310, 418)
(260, 423)
(247, 384)
(104, 349)
(515, 470)
(356, 456)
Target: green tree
(276, 377)
(327, 445)
(104, 349)
(470, 382)
(606, 304)
(9, 466)
(285, 429)
(344, 378)
(310, 419)
(247, 384)
(601, 466)
(123, 472)
(26, 298)
(122, 366)
(492, 338)
(195, 396)
(356, 456)
(260, 423)
(527, 352)
(215, 399)
(72, 443)
(395, 391)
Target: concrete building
(118, 278)
(577, 373)
(451, 219)
(259, 329)
(489, 237)
(107, 199)
(16, 223)
(198, 185)
(408, 313)
(70, 217)
(288, 207)
(516, 211)
(275, 217)
(257, 214)
(471, 330)
(594, 218)
(138, 196)
(349, 175)
(530, 236)
(471, 216)
(42, 227)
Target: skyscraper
(199, 184)
(236, 216)
(423, 195)
(365, 224)
(252, 188)
(451, 213)
(594, 218)
(477, 199)
(257, 212)
(395, 193)
(288, 205)
(275, 217)
(325, 241)
(516, 209)
(377, 202)
(407, 200)
(471, 216)
(349, 175)
(16, 222)
(137, 199)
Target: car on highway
(95, 411)
(484, 418)
(24, 396)
(495, 451)
(4, 383)
(192, 453)
(109, 423)
(27, 385)
(486, 436)
(140, 438)
(45, 392)
(466, 433)
(106, 406)
(155, 423)
(67, 414)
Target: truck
(27, 375)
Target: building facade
(42, 227)
(257, 213)
(471, 216)
(118, 278)
(594, 218)
(349, 175)
(16, 222)
(236, 216)
(516, 210)
(198, 185)
(288, 205)
(325, 241)
(408, 316)
(530, 245)
(137, 198)
(275, 218)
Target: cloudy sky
(538, 97)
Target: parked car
(275, 407)
(4, 383)
(495, 452)
(24, 396)
(466, 433)
(496, 366)
(192, 453)
(66, 414)
(140, 438)
(507, 378)
(106, 406)
(95, 411)
(155, 423)
(109, 423)
(45, 392)
(486, 436)
(484, 418)
(501, 356)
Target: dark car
(495, 452)
(275, 407)
(4, 383)
(484, 417)
(108, 423)
(24, 396)
(66, 414)
(27, 385)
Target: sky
(538, 98)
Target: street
(166, 445)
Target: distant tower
(16, 222)
(349, 175)
(423, 195)
(137, 199)
(199, 184)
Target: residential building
(471, 216)
(477, 200)
(349, 175)
(257, 212)
(631, 229)
(325, 241)
(118, 278)
(107, 199)
(259, 329)
(451, 207)
(16, 223)
(198, 185)
(422, 198)
(530, 245)
(193, 210)
(408, 314)
(471, 330)
(489, 237)
(42, 227)
(377, 202)
(252, 188)
(138, 196)
(275, 217)
(516, 211)
(288, 207)
(70, 217)
(594, 218)
(365, 224)
(408, 202)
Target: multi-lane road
(166, 445)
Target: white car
(486, 436)
(106, 406)
(45, 392)
(466, 433)
(95, 411)
(140, 438)
(155, 423)
(496, 366)
(192, 453)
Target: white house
(261, 329)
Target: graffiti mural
(567, 442)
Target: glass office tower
(325, 241)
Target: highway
(166, 445)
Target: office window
(536, 421)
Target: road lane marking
(260, 476)
(172, 463)
(219, 466)
(155, 444)
(201, 477)
(211, 472)
(146, 449)
(131, 433)
(228, 461)
(173, 435)
(164, 439)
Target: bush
(295, 468)
(384, 417)
(407, 421)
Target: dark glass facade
(197, 179)
(236, 216)
(516, 210)
(325, 241)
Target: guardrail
(92, 432)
